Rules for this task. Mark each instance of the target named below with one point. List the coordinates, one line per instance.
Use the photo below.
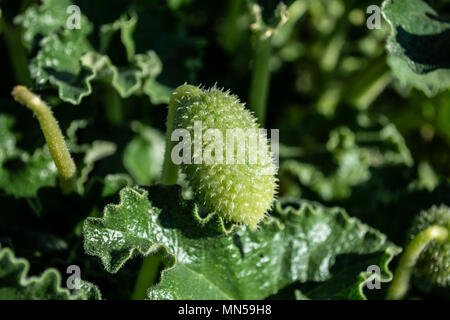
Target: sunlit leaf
(299, 242)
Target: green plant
(266, 36)
(224, 189)
(363, 119)
(234, 188)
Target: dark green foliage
(364, 120)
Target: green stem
(17, 54)
(53, 136)
(170, 170)
(113, 106)
(147, 276)
(150, 266)
(259, 88)
(404, 269)
(232, 32)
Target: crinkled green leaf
(151, 67)
(345, 270)
(73, 74)
(420, 34)
(96, 151)
(126, 80)
(144, 155)
(353, 154)
(300, 242)
(46, 19)
(22, 174)
(149, 63)
(430, 83)
(157, 92)
(126, 28)
(66, 59)
(15, 284)
(58, 63)
(91, 152)
(420, 37)
(274, 22)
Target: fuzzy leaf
(300, 242)
(124, 80)
(46, 19)
(58, 63)
(149, 63)
(420, 37)
(430, 83)
(94, 152)
(66, 59)
(16, 285)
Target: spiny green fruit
(240, 193)
(434, 261)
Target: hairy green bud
(433, 263)
(241, 191)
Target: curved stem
(150, 266)
(147, 276)
(403, 272)
(53, 136)
(259, 88)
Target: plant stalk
(259, 87)
(146, 277)
(53, 136)
(232, 33)
(404, 269)
(17, 53)
(170, 169)
(114, 110)
(150, 266)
